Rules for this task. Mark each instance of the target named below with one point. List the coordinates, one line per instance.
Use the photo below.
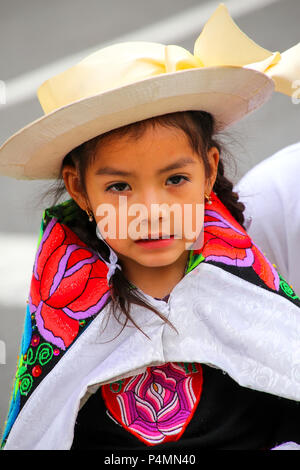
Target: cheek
(113, 224)
(107, 221)
(192, 220)
(119, 246)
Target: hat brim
(229, 93)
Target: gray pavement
(33, 34)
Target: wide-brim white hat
(133, 81)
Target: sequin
(35, 340)
(36, 371)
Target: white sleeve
(265, 216)
(287, 446)
(271, 194)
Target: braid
(204, 125)
(224, 190)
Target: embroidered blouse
(184, 406)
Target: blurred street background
(39, 39)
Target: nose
(150, 199)
(154, 209)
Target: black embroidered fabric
(228, 417)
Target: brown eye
(114, 186)
(176, 177)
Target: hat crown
(113, 67)
(221, 43)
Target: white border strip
(172, 30)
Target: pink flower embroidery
(157, 405)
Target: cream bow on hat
(228, 75)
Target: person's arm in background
(271, 194)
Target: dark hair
(199, 128)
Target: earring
(207, 199)
(90, 215)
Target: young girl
(186, 340)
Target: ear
(213, 156)
(73, 185)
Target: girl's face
(158, 168)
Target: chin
(157, 260)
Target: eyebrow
(108, 170)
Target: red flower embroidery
(68, 284)
(156, 406)
(227, 242)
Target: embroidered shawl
(232, 310)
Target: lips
(166, 237)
